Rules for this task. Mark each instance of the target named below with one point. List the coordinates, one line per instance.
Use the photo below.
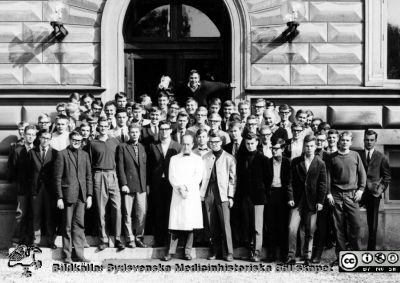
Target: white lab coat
(186, 213)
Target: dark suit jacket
(229, 148)
(280, 133)
(286, 173)
(19, 162)
(253, 181)
(41, 172)
(69, 176)
(131, 171)
(206, 91)
(147, 136)
(311, 184)
(378, 172)
(158, 164)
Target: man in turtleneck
(253, 186)
(74, 189)
(217, 192)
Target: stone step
(94, 254)
(8, 193)
(3, 167)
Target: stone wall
(29, 57)
(328, 50)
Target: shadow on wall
(23, 52)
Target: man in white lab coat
(185, 175)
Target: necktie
(123, 139)
(181, 136)
(135, 149)
(43, 155)
(235, 148)
(368, 157)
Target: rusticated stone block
(257, 5)
(42, 74)
(319, 111)
(311, 74)
(71, 53)
(36, 32)
(20, 53)
(7, 137)
(391, 116)
(276, 53)
(75, 15)
(80, 74)
(309, 32)
(344, 74)
(9, 115)
(15, 11)
(32, 112)
(10, 32)
(330, 11)
(10, 74)
(335, 53)
(94, 5)
(273, 16)
(351, 117)
(270, 74)
(345, 32)
(82, 34)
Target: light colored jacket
(226, 174)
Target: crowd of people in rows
(213, 173)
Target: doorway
(173, 37)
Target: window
(393, 40)
(393, 192)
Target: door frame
(113, 54)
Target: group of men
(170, 171)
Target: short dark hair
(200, 131)
(44, 131)
(74, 133)
(120, 94)
(97, 102)
(154, 109)
(324, 126)
(120, 110)
(102, 119)
(333, 132)
(296, 124)
(235, 124)
(281, 142)
(369, 132)
(269, 104)
(215, 101)
(86, 95)
(30, 127)
(310, 138)
(162, 94)
(250, 136)
(110, 103)
(84, 124)
(321, 133)
(301, 111)
(74, 95)
(164, 122)
(194, 71)
(214, 135)
(229, 103)
(284, 107)
(137, 106)
(62, 116)
(183, 114)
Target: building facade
(343, 65)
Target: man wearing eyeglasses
(74, 189)
(217, 192)
(259, 109)
(215, 128)
(285, 112)
(265, 141)
(159, 156)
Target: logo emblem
(380, 258)
(367, 258)
(26, 257)
(393, 258)
(349, 261)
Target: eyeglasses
(258, 106)
(214, 142)
(266, 135)
(42, 123)
(77, 141)
(165, 129)
(284, 113)
(214, 121)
